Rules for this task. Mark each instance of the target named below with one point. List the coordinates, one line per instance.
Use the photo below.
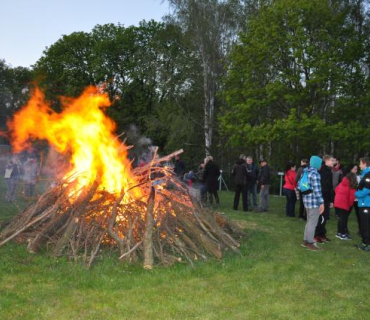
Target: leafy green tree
(289, 80)
(14, 90)
(211, 27)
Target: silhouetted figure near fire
(179, 167)
(30, 176)
(211, 175)
(11, 179)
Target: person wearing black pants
(343, 221)
(328, 195)
(365, 227)
(211, 176)
(240, 176)
(289, 189)
(363, 196)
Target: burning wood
(146, 213)
(163, 229)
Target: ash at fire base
(146, 213)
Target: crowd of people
(208, 176)
(330, 186)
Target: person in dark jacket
(240, 177)
(252, 176)
(179, 167)
(328, 195)
(211, 175)
(302, 211)
(264, 183)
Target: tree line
(279, 79)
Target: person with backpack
(343, 202)
(289, 189)
(363, 196)
(302, 211)
(313, 202)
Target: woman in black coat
(211, 175)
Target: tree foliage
(296, 82)
(14, 90)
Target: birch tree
(211, 25)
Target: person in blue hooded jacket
(313, 203)
(363, 196)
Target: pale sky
(27, 27)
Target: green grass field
(273, 278)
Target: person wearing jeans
(252, 176)
(264, 182)
(313, 203)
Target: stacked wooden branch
(167, 225)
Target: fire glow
(146, 213)
(81, 131)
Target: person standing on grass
(30, 176)
(252, 175)
(343, 201)
(328, 195)
(354, 169)
(211, 176)
(302, 212)
(313, 203)
(11, 177)
(179, 167)
(363, 196)
(289, 189)
(264, 183)
(240, 176)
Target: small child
(343, 202)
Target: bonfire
(145, 213)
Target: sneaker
(304, 244)
(358, 246)
(346, 237)
(318, 240)
(365, 247)
(325, 239)
(312, 246)
(342, 236)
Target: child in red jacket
(344, 200)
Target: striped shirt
(314, 199)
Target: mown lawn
(273, 278)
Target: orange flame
(81, 130)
